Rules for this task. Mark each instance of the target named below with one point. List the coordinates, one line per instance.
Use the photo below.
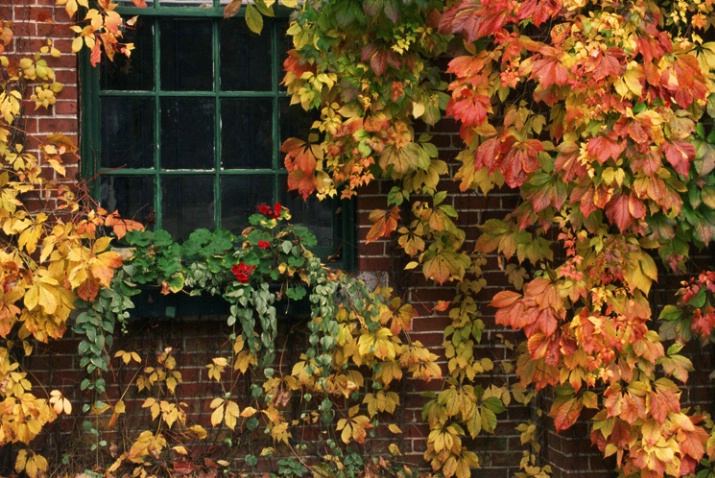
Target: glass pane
(186, 59)
(187, 133)
(247, 133)
(240, 197)
(245, 57)
(188, 204)
(137, 71)
(295, 121)
(315, 215)
(132, 196)
(127, 132)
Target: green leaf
(671, 312)
(254, 19)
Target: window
(187, 132)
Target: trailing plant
(355, 351)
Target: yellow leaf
(180, 450)
(217, 416)
(394, 428)
(77, 44)
(629, 84)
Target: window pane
(188, 204)
(247, 133)
(132, 196)
(187, 133)
(313, 214)
(137, 71)
(295, 121)
(245, 57)
(186, 60)
(240, 197)
(127, 132)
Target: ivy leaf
(548, 70)
(445, 265)
(384, 223)
(618, 212)
(679, 154)
(565, 412)
(604, 148)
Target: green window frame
(191, 137)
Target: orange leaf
(565, 413)
(385, 222)
(232, 8)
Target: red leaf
(141, 3)
(549, 71)
(539, 10)
(618, 212)
(663, 401)
(692, 443)
(603, 148)
(299, 181)
(633, 407)
(691, 83)
(703, 321)
(567, 161)
(607, 63)
(652, 43)
(488, 154)
(679, 154)
(300, 162)
(379, 59)
(521, 159)
(545, 347)
(476, 18)
(467, 66)
(471, 108)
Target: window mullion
(275, 65)
(158, 210)
(217, 124)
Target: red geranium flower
(264, 209)
(242, 272)
(264, 244)
(271, 213)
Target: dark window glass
(295, 122)
(137, 71)
(132, 196)
(127, 132)
(187, 133)
(314, 214)
(247, 133)
(188, 204)
(245, 58)
(240, 196)
(186, 60)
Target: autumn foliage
(599, 115)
